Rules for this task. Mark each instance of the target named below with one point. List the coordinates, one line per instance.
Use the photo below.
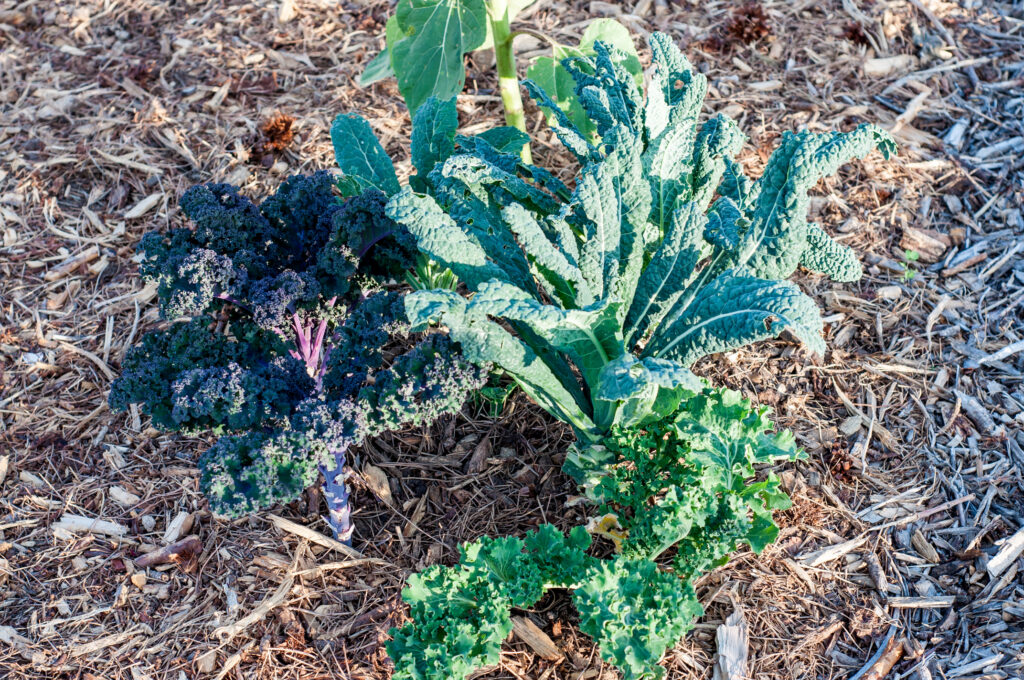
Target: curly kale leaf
(634, 611)
(669, 482)
(359, 343)
(428, 381)
(461, 614)
(256, 470)
(383, 247)
(241, 474)
(190, 378)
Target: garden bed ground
(110, 109)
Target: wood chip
(929, 244)
(80, 524)
(934, 602)
(144, 206)
(72, 263)
(832, 552)
(882, 67)
(1008, 553)
(527, 631)
(181, 523)
(731, 640)
(314, 537)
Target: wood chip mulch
(901, 556)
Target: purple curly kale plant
(279, 339)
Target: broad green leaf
(377, 70)
(549, 74)
(433, 138)
(517, 6)
(379, 67)
(428, 56)
(361, 158)
(736, 310)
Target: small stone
(139, 580)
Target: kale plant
(680, 491)
(278, 340)
(599, 302)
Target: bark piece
(931, 245)
(530, 633)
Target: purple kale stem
(300, 336)
(336, 494)
(321, 331)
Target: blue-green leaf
(440, 237)
(433, 138)
(361, 158)
(736, 310)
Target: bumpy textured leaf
(777, 237)
(433, 138)
(435, 34)
(823, 254)
(664, 280)
(361, 158)
(440, 237)
(736, 310)
(505, 139)
(719, 139)
(642, 233)
(486, 341)
(611, 205)
(555, 269)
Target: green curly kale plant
(598, 302)
(680, 488)
(272, 346)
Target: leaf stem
(508, 80)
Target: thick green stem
(508, 80)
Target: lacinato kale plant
(598, 302)
(279, 340)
